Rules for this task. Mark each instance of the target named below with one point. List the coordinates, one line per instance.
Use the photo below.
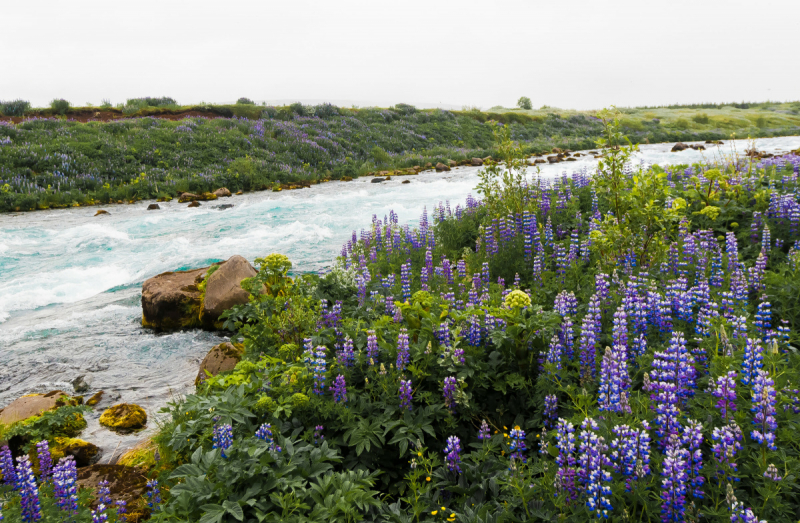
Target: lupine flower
(405, 280)
(554, 352)
(743, 515)
(772, 473)
(405, 394)
(264, 433)
(673, 486)
(339, 389)
(372, 347)
(613, 395)
(403, 356)
(398, 315)
(550, 410)
(28, 490)
(223, 438)
(347, 357)
(565, 442)
(724, 388)
(318, 436)
(483, 433)
(517, 446)
(45, 459)
(592, 472)
(764, 398)
(631, 453)
(753, 358)
(320, 366)
(452, 454)
(693, 439)
(727, 444)
(763, 320)
(99, 515)
(7, 467)
(448, 391)
(104, 492)
(153, 495)
(121, 509)
(65, 475)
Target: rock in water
(442, 167)
(85, 453)
(80, 384)
(224, 289)
(153, 207)
(33, 405)
(194, 204)
(95, 399)
(678, 147)
(222, 192)
(223, 206)
(172, 300)
(476, 162)
(406, 181)
(101, 211)
(377, 180)
(221, 358)
(125, 416)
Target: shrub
(60, 105)
(245, 101)
(326, 111)
(299, 109)
(405, 109)
(14, 107)
(701, 118)
(525, 103)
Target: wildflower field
(50, 159)
(620, 347)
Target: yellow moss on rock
(142, 455)
(125, 416)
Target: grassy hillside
(69, 156)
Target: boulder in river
(221, 358)
(194, 204)
(406, 181)
(553, 159)
(85, 453)
(95, 399)
(124, 416)
(153, 207)
(223, 206)
(101, 211)
(680, 146)
(452, 163)
(222, 192)
(32, 405)
(223, 289)
(377, 180)
(442, 167)
(476, 162)
(81, 384)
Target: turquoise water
(70, 282)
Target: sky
(568, 53)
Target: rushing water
(70, 284)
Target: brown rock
(124, 417)
(553, 159)
(194, 204)
(189, 197)
(221, 358)
(406, 181)
(224, 288)
(698, 147)
(29, 406)
(540, 160)
(171, 301)
(452, 163)
(428, 165)
(680, 146)
(153, 207)
(95, 399)
(571, 160)
(487, 158)
(239, 193)
(85, 453)
(101, 211)
(126, 483)
(476, 162)
(442, 167)
(222, 192)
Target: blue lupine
(405, 394)
(65, 477)
(222, 438)
(550, 410)
(517, 445)
(264, 433)
(565, 443)
(753, 360)
(372, 347)
(483, 432)
(339, 389)
(99, 515)
(724, 389)
(592, 469)
(727, 443)
(631, 453)
(45, 459)
(104, 492)
(693, 439)
(673, 488)
(403, 354)
(448, 391)
(764, 399)
(320, 367)
(153, 495)
(452, 454)
(28, 490)
(7, 467)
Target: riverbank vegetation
(151, 148)
(621, 346)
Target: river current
(70, 282)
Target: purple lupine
(566, 303)
(347, 356)
(565, 442)
(448, 392)
(483, 432)
(724, 389)
(153, 495)
(693, 439)
(121, 505)
(613, 393)
(631, 453)
(554, 352)
(318, 437)
(403, 355)
(339, 389)
(398, 315)
(764, 399)
(28, 490)
(517, 445)
(99, 515)
(753, 360)
(7, 467)
(264, 433)
(223, 438)
(443, 334)
(405, 280)
(405, 394)
(567, 337)
(452, 454)
(763, 320)
(756, 273)
(739, 514)
(727, 443)
(592, 469)
(550, 410)
(65, 492)
(673, 486)
(772, 473)
(45, 460)
(104, 492)
(320, 367)
(372, 347)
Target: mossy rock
(144, 455)
(85, 453)
(95, 399)
(125, 483)
(124, 417)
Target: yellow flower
(428, 478)
(443, 508)
(419, 454)
(434, 512)
(516, 427)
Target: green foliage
(66, 421)
(524, 103)
(14, 107)
(59, 105)
(245, 101)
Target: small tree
(59, 105)
(524, 103)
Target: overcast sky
(562, 53)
